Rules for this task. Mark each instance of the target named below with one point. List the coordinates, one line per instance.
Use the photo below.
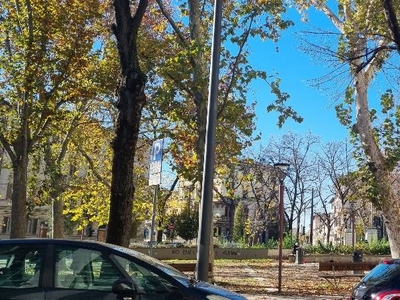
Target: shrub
(239, 223)
(223, 243)
(271, 244)
(288, 241)
(187, 224)
(374, 248)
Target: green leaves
(52, 73)
(387, 101)
(187, 224)
(239, 228)
(279, 105)
(180, 83)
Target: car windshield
(153, 261)
(382, 273)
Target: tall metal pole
(153, 219)
(312, 217)
(352, 224)
(352, 231)
(281, 190)
(203, 248)
(281, 169)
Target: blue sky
(295, 69)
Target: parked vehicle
(381, 283)
(38, 269)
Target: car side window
(79, 268)
(20, 266)
(146, 280)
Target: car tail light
(387, 295)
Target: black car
(38, 269)
(381, 283)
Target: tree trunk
(159, 235)
(392, 21)
(18, 197)
(199, 74)
(58, 218)
(1, 158)
(390, 208)
(131, 99)
(20, 179)
(376, 160)
(388, 201)
(363, 71)
(122, 188)
(57, 205)
(231, 218)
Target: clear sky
(295, 69)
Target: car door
(82, 274)
(21, 271)
(150, 283)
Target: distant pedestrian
(296, 246)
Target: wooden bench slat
(341, 275)
(335, 277)
(346, 266)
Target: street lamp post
(281, 173)
(352, 224)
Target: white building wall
(5, 181)
(320, 231)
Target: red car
(381, 283)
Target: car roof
(391, 261)
(82, 243)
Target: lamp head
(282, 169)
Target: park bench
(339, 270)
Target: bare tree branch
(392, 22)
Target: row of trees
(59, 61)
(61, 105)
(318, 173)
(367, 48)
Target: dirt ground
(260, 277)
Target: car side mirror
(124, 289)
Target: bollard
(299, 256)
(357, 257)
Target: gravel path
(259, 280)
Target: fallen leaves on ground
(256, 277)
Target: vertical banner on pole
(156, 155)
